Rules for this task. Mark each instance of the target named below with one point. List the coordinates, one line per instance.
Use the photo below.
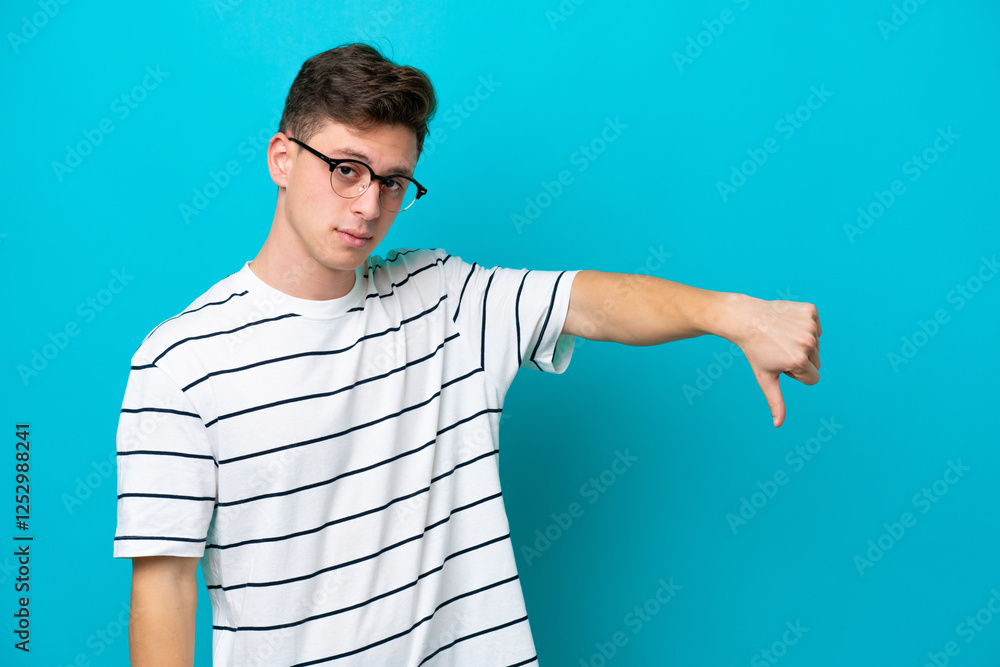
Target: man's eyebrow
(400, 170)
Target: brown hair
(355, 85)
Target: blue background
(558, 73)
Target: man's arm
(161, 620)
(776, 336)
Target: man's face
(321, 225)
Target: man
(320, 429)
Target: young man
(321, 427)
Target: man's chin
(348, 259)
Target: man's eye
(346, 171)
(393, 185)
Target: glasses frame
(333, 162)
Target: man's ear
(278, 159)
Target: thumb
(772, 392)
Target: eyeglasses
(350, 179)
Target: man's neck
(300, 277)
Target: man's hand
(777, 337)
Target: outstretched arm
(634, 309)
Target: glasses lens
(350, 179)
(398, 193)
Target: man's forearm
(777, 337)
(162, 617)
(636, 309)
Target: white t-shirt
(335, 463)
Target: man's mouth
(356, 240)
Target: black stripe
(421, 622)
(401, 282)
(141, 368)
(459, 306)
(159, 537)
(360, 559)
(357, 515)
(392, 285)
(316, 529)
(163, 495)
(530, 660)
(376, 598)
(470, 417)
(353, 428)
(314, 485)
(486, 294)
(222, 333)
(492, 452)
(399, 253)
(167, 410)
(316, 352)
(517, 317)
(475, 634)
(548, 314)
(194, 310)
(153, 452)
(327, 394)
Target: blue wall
(843, 154)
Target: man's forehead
(387, 148)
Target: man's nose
(367, 204)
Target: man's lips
(352, 239)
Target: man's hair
(355, 85)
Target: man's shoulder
(403, 264)
(219, 307)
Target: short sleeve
(513, 318)
(167, 472)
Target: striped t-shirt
(335, 463)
